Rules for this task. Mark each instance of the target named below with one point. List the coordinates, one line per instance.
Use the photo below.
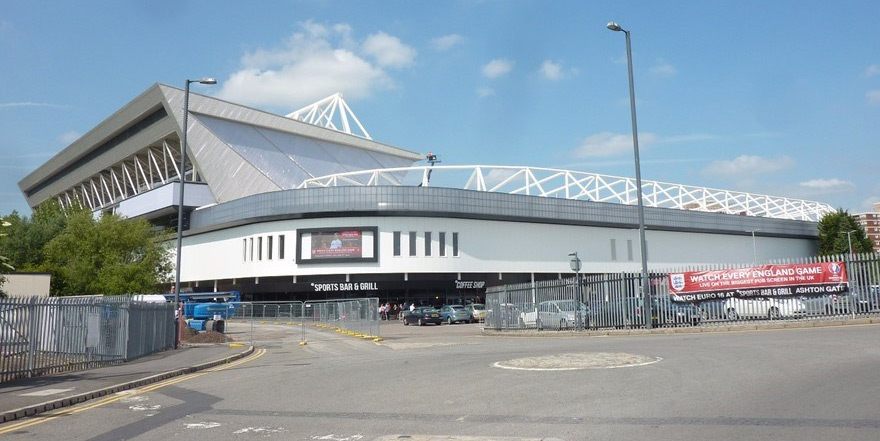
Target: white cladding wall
(484, 246)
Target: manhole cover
(575, 361)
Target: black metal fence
(614, 300)
(40, 335)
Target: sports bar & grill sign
(759, 281)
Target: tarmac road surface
(436, 382)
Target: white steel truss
(151, 167)
(566, 184)
(331, 113)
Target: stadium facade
(308, 206)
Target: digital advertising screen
(344, 244)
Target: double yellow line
(51, 415)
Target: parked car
(455, 314)
(559, 314)
(478, 312)
(422, 315)
(830, 304)
(667, 312)
(764, 307)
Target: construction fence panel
(359, 315)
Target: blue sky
(780, 98)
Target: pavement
(30, 396)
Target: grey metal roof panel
(140, 106)
(223, 109)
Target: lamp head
(573, 254)
(614, 26)
(207, 81)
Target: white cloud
(313, 63)
(663, 69)
(447, 42)
(872, 70)
(605, 144)
(868, 203)
(873, 96)
(746, 165)
(69, 137)
(552, 71)
(497, 67)
(12, 105)
(483, 92)
(388, 51)
(824, 186)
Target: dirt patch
(204, 337)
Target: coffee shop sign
(470, 284)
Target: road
(814, 384)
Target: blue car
(455, 314)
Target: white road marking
(46, 392)
(262, 430)
(501, 366)
(332, 437)
(204, 425)
(142, 407)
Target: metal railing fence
(268, 310)
(359, 316)
(602, 301)
(41, 335)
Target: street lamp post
(849, 241)
(575, 264)
(646, 294)
(182, 186)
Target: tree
(28, 236)
(110, 255)
(4, 261)
(833, 234)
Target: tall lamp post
(575, 264)
(646, 294)
(849, 241)
(182, 184)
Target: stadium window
(260, 248)
(412, 243)
(269, 247)
(244, 250)
(251, 248)
(427, 243)
(281, 246)
(613, 249)
(629, 250)
(442, 239)
(454, 244)
(397, 243)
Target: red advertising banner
(803, 279)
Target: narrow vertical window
(442, 244)
(269, 247)
(244, 250)
(281, 246)
(454, 244)
(397, 243)
(613, 249)
(260, 248)
(412, 243)
(629, 250)
(251, 248)
(427, 243)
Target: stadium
(308, 206)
